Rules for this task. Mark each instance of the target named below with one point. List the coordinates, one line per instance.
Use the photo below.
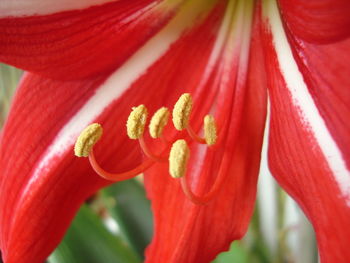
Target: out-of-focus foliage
(127, 204)
(9, 77)
(89, 241)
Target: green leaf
(89, 241)
(128, 205)
(9, 77)
(258, 250)
(236, 254)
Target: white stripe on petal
(220, 42)
(267, 194)
(44, 7)
(305, 104)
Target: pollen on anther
(178, 158)
(158, 122)
(210, 130)
(136, 122)
(87, 139)
(182, 111)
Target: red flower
(92, 64)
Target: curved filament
(202, 200)
(118, 176)
(194, 136)
(149, 153)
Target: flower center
(179, 154)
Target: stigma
(176, 153)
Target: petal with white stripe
(305, 154)
(40, 176)
(235, 92)
(82, 43)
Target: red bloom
(91, 64)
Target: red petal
(185, 232)
(309, 142)
(38, 196)
(326, 70)
(77, 44)
(30, 7)
(42, 184)
(317, 21)
(40, 108)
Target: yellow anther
(137, 121)
(210, 131)
(87, 139)
(179, 155)
(182, 111)
(158, 122)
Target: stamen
(158, 122)
(210, 131)
(178, 158)
(149, 153)
(179, 153)
(136, 122)
(118, 176)
(182, 111)
(201, 200)
(209, 196)
(87, 139)
(194, 136)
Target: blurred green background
(115, 225)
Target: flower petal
(27, 197)
(40, 177)
(185, 232)
(325, 69)
(82, 43)
(42, 184)
(308, 152)
(35, 7)
(317, 21)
